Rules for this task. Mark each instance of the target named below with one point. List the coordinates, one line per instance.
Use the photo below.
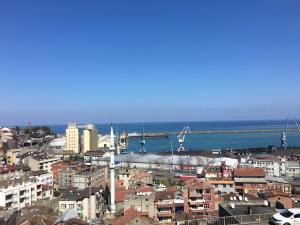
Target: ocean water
(202, 141)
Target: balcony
(196, 209)
(165, 205)
(165, 213)
(194, 193)
(164, 220)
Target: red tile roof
(120, 194)
(9, 168)
(128, 216)
(249, 172)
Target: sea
(198, 142)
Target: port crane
(181, 138)
(284, 133)
(142, 143)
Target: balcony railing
(230, 220)
(165, 213)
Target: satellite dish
(266, 203)
(240, 198)
(231, 198)
(246, 199)
(232, 205)
(234, 198)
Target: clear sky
(123, 61)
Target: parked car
(286, 217)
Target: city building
(40, 162)
(20, 193)
(142, 201)
(222, 186)
(72, 138)
(217, 171)
(58, 143)
(58, 167)
(199, 197)
(104, 141)
(94, 157)
(88, 202)
(250, 180)
(90, 138)
(8, 172)
(279, 184)
(83, 176)
(133, 217)
(13, 157)
(277, 199)
(165, 207)
(292, 169)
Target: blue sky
(123, 61)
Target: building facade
(199, 197)
(250, 180)
(90, 138)
(88, 203)
(72, 138)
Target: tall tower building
(72, 138)
(90, 138)
(112, 171)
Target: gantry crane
(181, 138)
(284, 133)
(142, 143)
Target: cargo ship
(148, 135)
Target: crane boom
(181, 138)
(285, 132)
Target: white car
(287, 217)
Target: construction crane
(181, 138)
(284, 133)
(142, 143)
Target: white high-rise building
(72, 138)
(90, 138)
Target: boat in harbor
(148, 135)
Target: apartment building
(88, 203)
(274, 166)
(218, 171)
(82, 177)
(18, 193)
(250, 180)
(72, 138)
(13, 157)
(90, 138)
(199, 197)
(58, 167)
(40, 162)
(292, 169)
(279, 184)
(222, 186)
(165, 207)
(143, 202)
(10, 172)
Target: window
(63, 206)
(206, 206)
(208, 198)
(297, 215)
(199, 191)
(71, 206)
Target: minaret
(112, 171)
